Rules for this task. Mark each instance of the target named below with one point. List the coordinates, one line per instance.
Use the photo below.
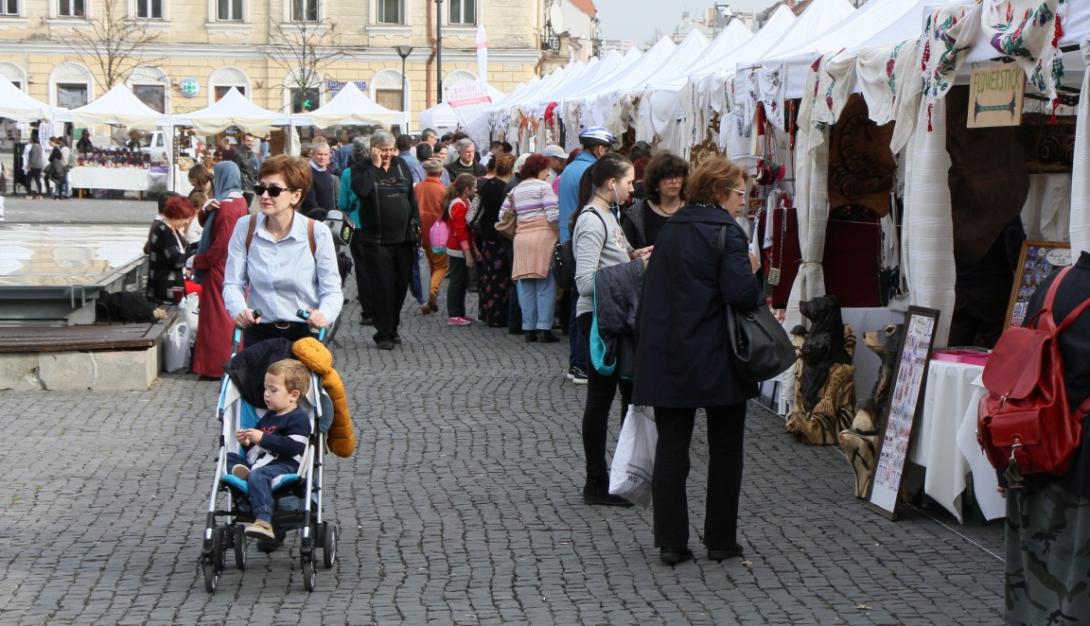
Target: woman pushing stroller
(287, 260)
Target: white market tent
(17, 105)
(233, 109)
(349, 107)
(119, 107)
(442, 117)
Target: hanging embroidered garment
(1029, 31)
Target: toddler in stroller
(270, 466)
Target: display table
(939, 444)
(123, 178)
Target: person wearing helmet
(596, 142)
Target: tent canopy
(815, 22)
(233, 109)
(119, 107)
(18, 106)
(349, 107)
(442, 117)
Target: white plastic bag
(634, 462)
(177, 347)
(190, 310)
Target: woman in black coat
(683, 360)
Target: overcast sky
(637, 19)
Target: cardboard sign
(995, 96)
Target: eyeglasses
(740, 192)
(274, 190)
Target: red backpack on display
(1024, 417)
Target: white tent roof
(349, 107)
(733, 37)
(772, 33)
(18, 106)
(119, 107)
(687, 52)
(817, 20)
(647, 64)
(441, 117)
(612, 64)
(233, 109)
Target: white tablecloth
(125, 178)
(947, 418)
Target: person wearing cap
(558, 158)
(596, 142)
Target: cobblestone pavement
(461, 506)
(72, 210)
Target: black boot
(531, 336)
(547, 336)
(596, 492)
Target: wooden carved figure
(824, 375)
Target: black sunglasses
(274, 190)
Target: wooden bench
(84, 338)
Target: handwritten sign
(995, 96)
(908, 383)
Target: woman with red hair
(536, 231)
(166, 250)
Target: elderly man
(558, 158)
(430, 137)
(429, 196)
(389, 230)
(465, 163)
(322, 196)
(247, 166)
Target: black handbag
(564, 254)
(758, 343)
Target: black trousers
(600, 393)
(726, 427)
(457, 282)
(389, 268)
(363, 279)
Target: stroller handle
(302, 313)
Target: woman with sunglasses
(286, 259)
(218, 217)
(683, 361)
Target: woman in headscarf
(218, 218)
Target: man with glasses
(390, 232)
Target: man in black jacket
(322, 196)
(389, 232)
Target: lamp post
(439, 50)
(404, 52)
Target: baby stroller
(298, 497)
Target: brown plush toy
(318, 358)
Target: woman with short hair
(664, 180)
(281, 261)
(537, 218)
(166, 250)
(683, 360)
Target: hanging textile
(949, 32)
(878, 70)
(1080, 168)
(811, 200)
(770, 85)
(1029, 31)
(927, 236)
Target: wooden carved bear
(860, 442)
(824, 375)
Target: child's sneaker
(458, 321)
(240, 471)
(261, 529)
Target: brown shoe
(425, 309)
(240, 471)
(261, 529)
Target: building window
(149, 9)
(304, 100)
(9, 7)
(71, 95)
(229, 10)
(391, 11)
(71, 8)
(463, 11)
(155, 96)
(304, 10)
(221, 90)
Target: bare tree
(113, 41)
(304, 49)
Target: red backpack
(1024, 417)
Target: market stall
(350, 107)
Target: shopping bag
(177, 348)
(634, 462)
(189, 308)
(420, 285)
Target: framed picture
(1036, 262)
(904, 404)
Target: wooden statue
(860, 442)
(824, 375)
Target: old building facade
(283, 54)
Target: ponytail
(456, 189)
(610, 166)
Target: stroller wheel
(310, 574)
(211, 576)
(219, 548)
(329, 544)
(240, 546)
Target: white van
(154, 144)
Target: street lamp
(439, 49)
(403, 52)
